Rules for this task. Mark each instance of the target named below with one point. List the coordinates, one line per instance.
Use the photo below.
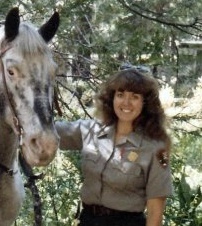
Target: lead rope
(27, 170)
(31, 184)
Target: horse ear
(12, 24)
(48, 30)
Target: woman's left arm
(155, 209)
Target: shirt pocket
(127, 175)
(90, 158)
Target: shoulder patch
(162, 156)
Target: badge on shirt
(132, 156)
(162, 156)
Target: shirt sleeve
(70, 134)
(159, 183)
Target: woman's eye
(136, 96)
(119, 94)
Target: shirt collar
(135, 137)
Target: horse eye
(10, 72)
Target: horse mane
(28, 41)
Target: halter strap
(16, 121)
(6, 170)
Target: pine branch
(196, 24)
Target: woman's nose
(126, 100)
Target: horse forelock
(30, 41)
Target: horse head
(27, 76)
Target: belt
(97, 210)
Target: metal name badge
(132, 156)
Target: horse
(27, 72)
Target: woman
(124, 154)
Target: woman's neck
(124, 128)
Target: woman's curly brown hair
(152, 118)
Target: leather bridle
(16, 121)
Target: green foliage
(59, 191)
(185, 207)
(5, 6)
(189, 145)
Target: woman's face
(127, 105)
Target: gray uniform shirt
(121, 176)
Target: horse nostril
(34, 144)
